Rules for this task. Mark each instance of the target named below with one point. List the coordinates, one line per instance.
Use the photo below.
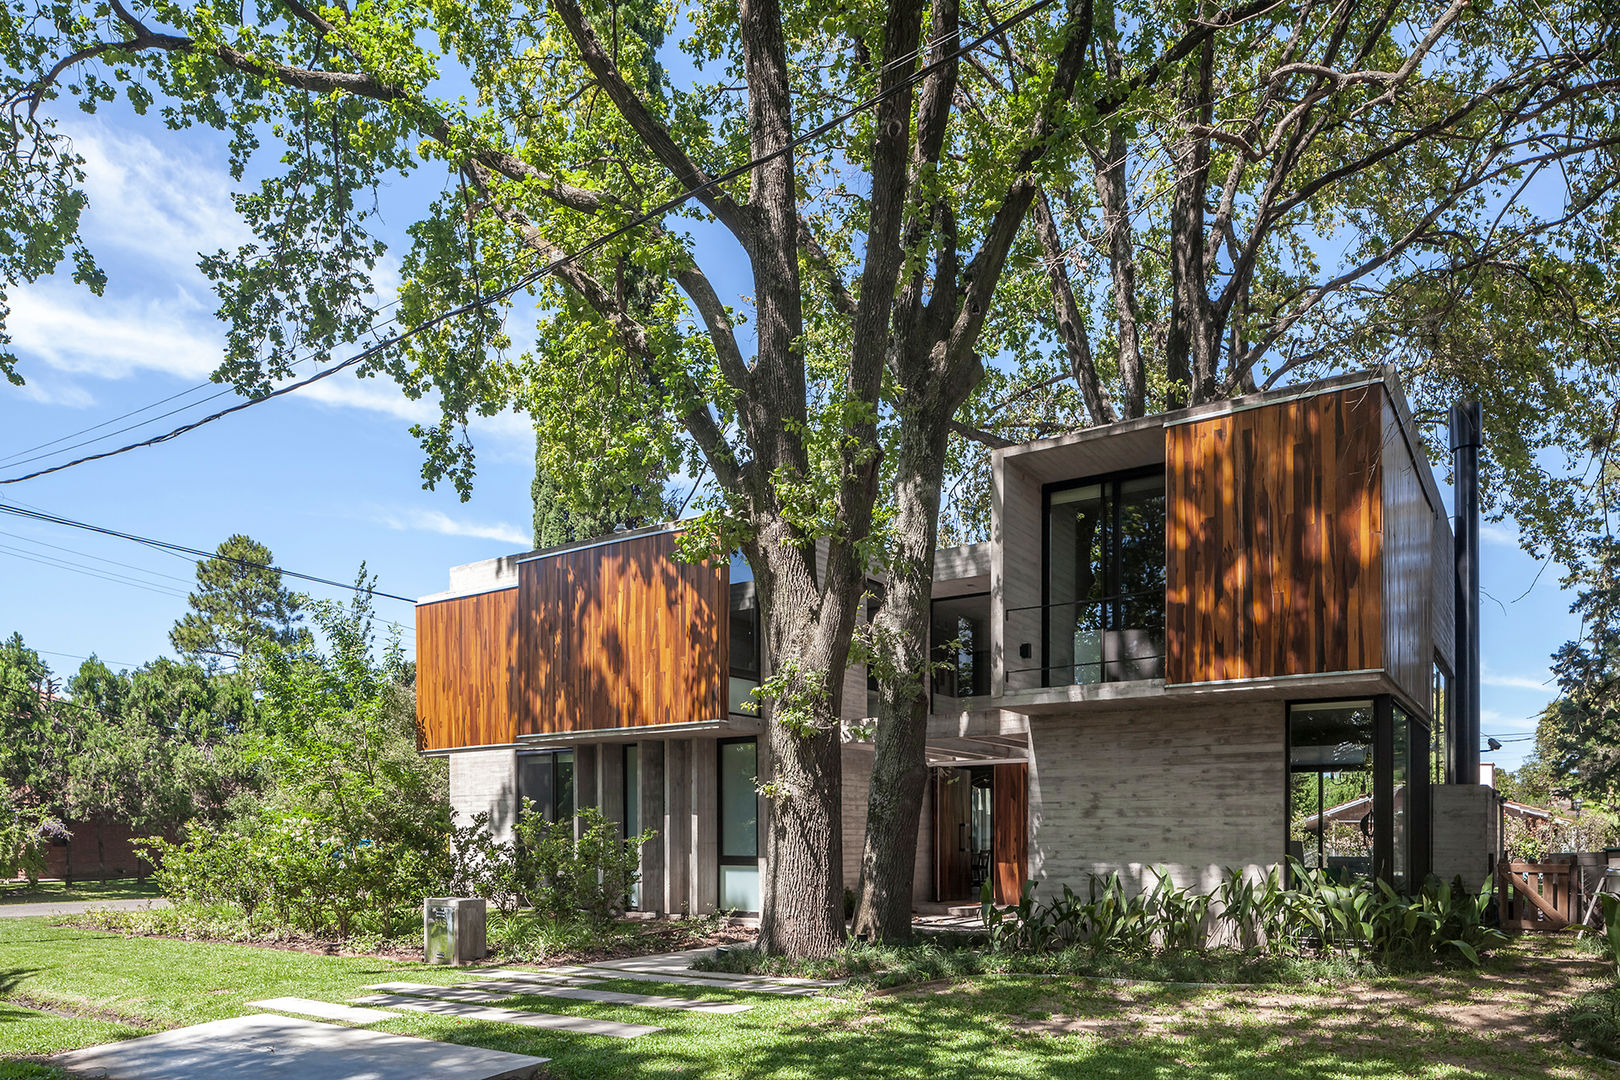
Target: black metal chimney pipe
(1467, 433)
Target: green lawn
(1442, 1026)
(51, 891)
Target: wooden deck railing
(1535, 896)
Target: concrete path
(324, 1009)
(503, 990)
(579, 1025)
(752, 984)
(77, 907)
(286, 1048)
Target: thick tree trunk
(900, 760)
(809, 618)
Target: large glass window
(547, 779)
(1330, 785)
(739, 825)
(744, 646)
(1401, 783)
(1439, 723)
(960, 633)
(1104, 609)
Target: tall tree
(1314, 188)
(571, 133)
(240, 606)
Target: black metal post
(1467, 433)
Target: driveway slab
(287, 1048)
(77, 907)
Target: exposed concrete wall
(485, 781)
(651, 765)
(704, 875)
(857, 790)
(677, 826)
(1197, 788)
(1464, 838)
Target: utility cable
(165, 545)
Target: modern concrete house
(1187, 636)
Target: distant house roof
(1356, 809)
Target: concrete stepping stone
(326, 1010)
(290, 1048)
(681, 964)
(752, 984)
(579, 1025)
(474, 994)
(619, 997)
(514, 975)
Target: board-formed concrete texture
(326, 1010)
(288, 1048)
(579, 1025)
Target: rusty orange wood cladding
(620, 635)
(465, 652)
(1275, 542)
(1009, 817)
(617, 635)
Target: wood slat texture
(1009, 819)
(465, 652)
(1409, 569)
(953, 815)
(620, 635)
(1273, 540)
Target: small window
(547, 780)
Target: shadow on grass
(12, 978)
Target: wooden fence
(1536, 896)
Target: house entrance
(981, 831)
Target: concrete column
(585, 790)
(677, 829)
(610, 781)
(485, 782)
(651, 753)
(705, 829)
(1464, 840)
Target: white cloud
(106, 338)
(165, 204)
(436, 522)
(1516, 682)
(1492, 532)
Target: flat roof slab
(266, 1045)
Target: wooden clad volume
(620, 635)
(1009, 818)
(466, 649)
(1274, 540)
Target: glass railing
(1111, 639)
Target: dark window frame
(1112, 480)
(933, 646)
(722, 859)
(550, 809)
(1419, 837)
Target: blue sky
(329, 476)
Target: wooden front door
(1010, 832)
(952, 822)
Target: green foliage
(24, 835)
(1610, 937)
(1363, 918)
(240, 606)
(545, 868)
(562, 518)
(1584, 747)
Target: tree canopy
(240, 606)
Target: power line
(117, 579)
(1000, 27)
(165, 545)
(188, 582)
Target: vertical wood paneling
(465, 653)
(620, 635)
(1009, 820)
(1409, 530)
(1274, 540)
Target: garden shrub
(25, 833)
(1317, 914)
